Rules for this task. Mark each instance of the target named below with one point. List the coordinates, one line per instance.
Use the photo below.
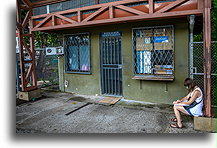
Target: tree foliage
(43, 39)
(199, 37)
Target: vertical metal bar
(108, 76)
(107, 57)
(112, 61)
(191, 24)
(109, 81)
(118, 49)
(105, 70)
(115, 79)
(104, 75)
(115, 60)
(101, 63)
(106, 80)
(107, 51)
(110, 51)
(118, 74)
(118, 52)
(120, 79)
(103, 80)
(103, 51)
(112, 91)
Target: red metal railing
(115, 12)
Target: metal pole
(191, 24)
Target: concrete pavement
(59, 112)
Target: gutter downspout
(191, 40)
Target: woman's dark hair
(190, 83)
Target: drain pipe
(191, 37)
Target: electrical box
(54, 50)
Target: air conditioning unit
(54, 50)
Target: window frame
(66, 55)
(160, 77)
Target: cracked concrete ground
(59, 112)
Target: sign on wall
(17, 42)
(161, 39)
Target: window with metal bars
(153, 49)
(77, 53)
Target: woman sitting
(191, 105)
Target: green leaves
(199, 37)
(47, 39)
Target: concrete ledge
(205, 124)
(27, 96)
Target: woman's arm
(186, 97)
(183, 99)
(193, 98)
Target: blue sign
(161, 39)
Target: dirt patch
(79, 99)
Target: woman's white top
(197, 110)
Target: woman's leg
(177, 110)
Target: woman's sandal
(174, 120)
(175, 125)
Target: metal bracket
(194, 70)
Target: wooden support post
(26, 73)
(79, 16)
(151, 6)
(32, 48)
(207, 57)
(111, 12)
(53, 20)
(21, 55)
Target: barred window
(153, 49)
(77, 53)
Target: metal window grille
(107, 1)
(72, 4)
(198, 71)
(66, 5)
(153, 50)
(162, 1)
(40, 10)
(136, 4)
(77, 53)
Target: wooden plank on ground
(109, 100)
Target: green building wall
(140, 90)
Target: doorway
(111, 63)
